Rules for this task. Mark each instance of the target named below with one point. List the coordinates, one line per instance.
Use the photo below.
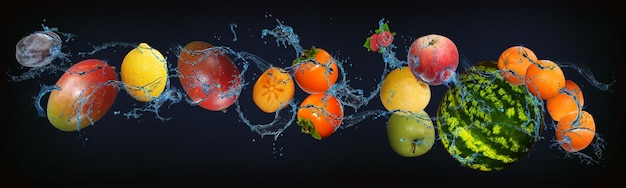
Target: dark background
(199, 147)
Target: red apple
(433, 58)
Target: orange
(570, 99)
(574, 132)
(544, 79)
(514, 62)
(273, 90)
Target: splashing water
(38, 51)
(346, 94)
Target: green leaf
(308, 128)
(384, 27)
(367, 44)
(307, 55)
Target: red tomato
(315, 71)
(86, 92)
(320, 115)
(209, 77)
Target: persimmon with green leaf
(315, 71)
(320, 115)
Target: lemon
(144, 73)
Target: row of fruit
(87, 90)
(491, 105)
(564, 99)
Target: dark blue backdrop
(201, 147)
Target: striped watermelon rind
(486, 123)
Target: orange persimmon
(320, 115)
(273, 90)
(315, 71)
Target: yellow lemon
(144, 73)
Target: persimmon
(273, 90)
(544, 79)
(513, 63)
(570, 99)
(320, 115)
(315, 71)
(575, 131)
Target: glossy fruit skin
(433, 59)
(400, 90)
(86, 92)
(144, 73)
(315, 71)
(411, 135)
(486, 123)
(273, 90)
(570, 99)
(544, 79)
(575, 131)
(320, 115)
(513, 63)
(208, 76)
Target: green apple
(411, 135)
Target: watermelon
(485, 123)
